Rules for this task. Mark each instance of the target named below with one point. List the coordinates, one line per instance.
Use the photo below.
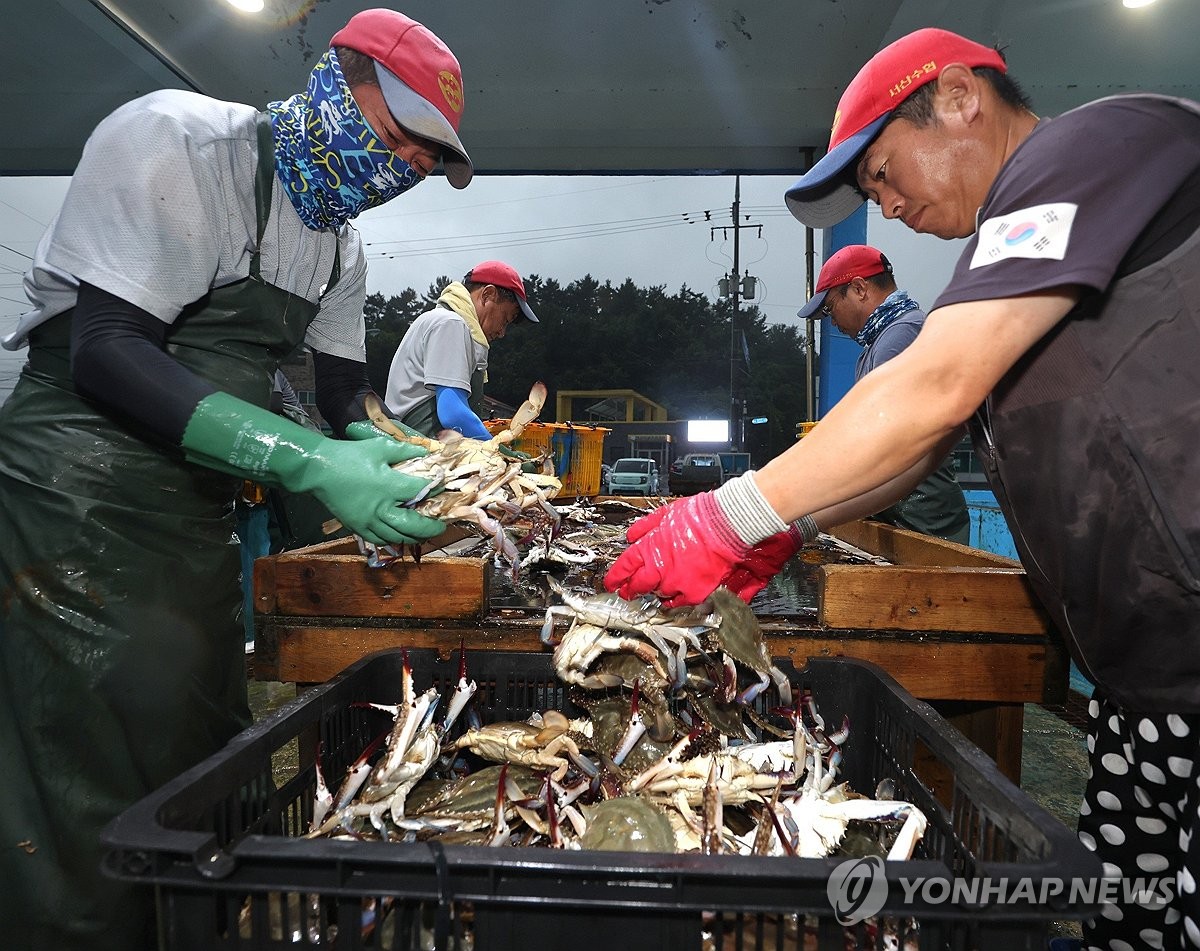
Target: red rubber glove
(682, 552)
(763, 562)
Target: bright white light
(708, 430)
(1134, 4)
(249, 6)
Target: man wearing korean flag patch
(1068, 341)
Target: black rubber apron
(121, 657)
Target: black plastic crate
(222, 843)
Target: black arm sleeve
(118, 359)
(341, 386)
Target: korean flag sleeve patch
(1040, 231)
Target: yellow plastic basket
(577, 452)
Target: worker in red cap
(437, 374)
(857, 291)
(200, 243)
(1068, 341)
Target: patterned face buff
(332, 164)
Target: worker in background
(1068, 339)
(857, 291)
(437, 375)
(200, 242)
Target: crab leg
(747, 696)
(710, 841)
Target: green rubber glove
(353, 478)
(365, 429)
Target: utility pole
(810, 344)
(736, 287)
(735, 408)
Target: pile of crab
(476, 481)
(676, 751)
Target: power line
(427, 248)
(520, 201)
(15, 251)
(553, 230)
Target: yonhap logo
(857, 889)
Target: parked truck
(700, 472)
(734, 463)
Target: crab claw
(547, 632)
(840, 736)
(501, 832)
(652, 771)
(635, 729)
(728, 684)
(463, 692)
(556, 839)
(322, 798)
(583, 764)
(406, 677)
(766, 823)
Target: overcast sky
(662, 230)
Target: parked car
(633, 476)
(605, 472)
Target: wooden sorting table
(956, 626)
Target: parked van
(633, 476)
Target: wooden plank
(886, 597)
(343, 585)
(903, 547)
(1001, 671)
(936, 670)
(993, 727)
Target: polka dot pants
(1137, 815)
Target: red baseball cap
(828, 192)
(854, 260)
(420, 78)
(502, 275)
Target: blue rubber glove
(455, 413)
(353, 478)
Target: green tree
(673, 348)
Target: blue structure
(989, 530)
(838, 353)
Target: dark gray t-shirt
(1061, 211)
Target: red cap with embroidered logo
(828, 192)
(420, 79)
(854, 260)
(502, 275)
